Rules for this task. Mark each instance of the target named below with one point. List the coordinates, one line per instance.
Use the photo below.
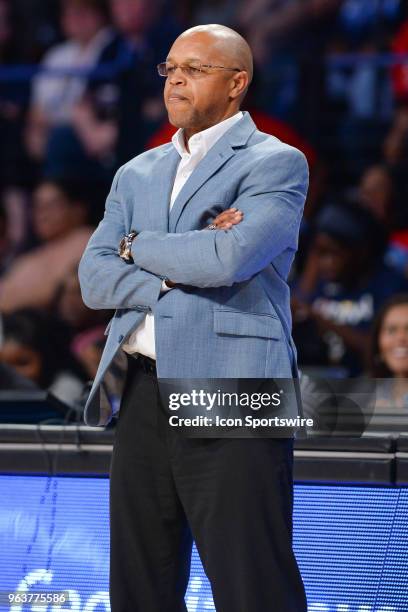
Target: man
(199, 294)
(84, 24)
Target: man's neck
(189, 132)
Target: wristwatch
(125, 246)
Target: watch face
(125, 246)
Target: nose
(177, 77)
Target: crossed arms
(271, 200)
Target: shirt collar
(205, 139)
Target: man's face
(197, 102)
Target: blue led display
(351, 544)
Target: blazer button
(120, 338)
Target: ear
(239, 84)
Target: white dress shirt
(142, 339)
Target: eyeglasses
(193, 70)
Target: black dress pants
(232, 496)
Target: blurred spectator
(344, 283)
(87, 348)
(379, 193)
(60, 215)
(87, 326)
(71, 308)
(10, 380)
(118, 112)
(389, 354)
(84, 24)
(34, 345)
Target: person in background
(389, 354)
(71, 308)
(85, 26)
(34, 345)
(381, 191)
(10, 380)
(343, 284)
(88, 333)
(118, 114)
(60, 220)
(87, 326)
(119, 106)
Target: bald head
(231, 44)
(197, 98)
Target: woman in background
(389, 354)
(60, 219)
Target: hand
(225, 220)
(169, 283)
(228, 218)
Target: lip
(176, 98)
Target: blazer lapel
(218, 155)
(205, 169)
(160, 187)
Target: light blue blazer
(232, 317)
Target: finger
(229, 218)
(230, 221)
(224, 216)
(228, 212)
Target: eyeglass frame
(200, 64)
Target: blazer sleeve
(106, 280)
(272, 200)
